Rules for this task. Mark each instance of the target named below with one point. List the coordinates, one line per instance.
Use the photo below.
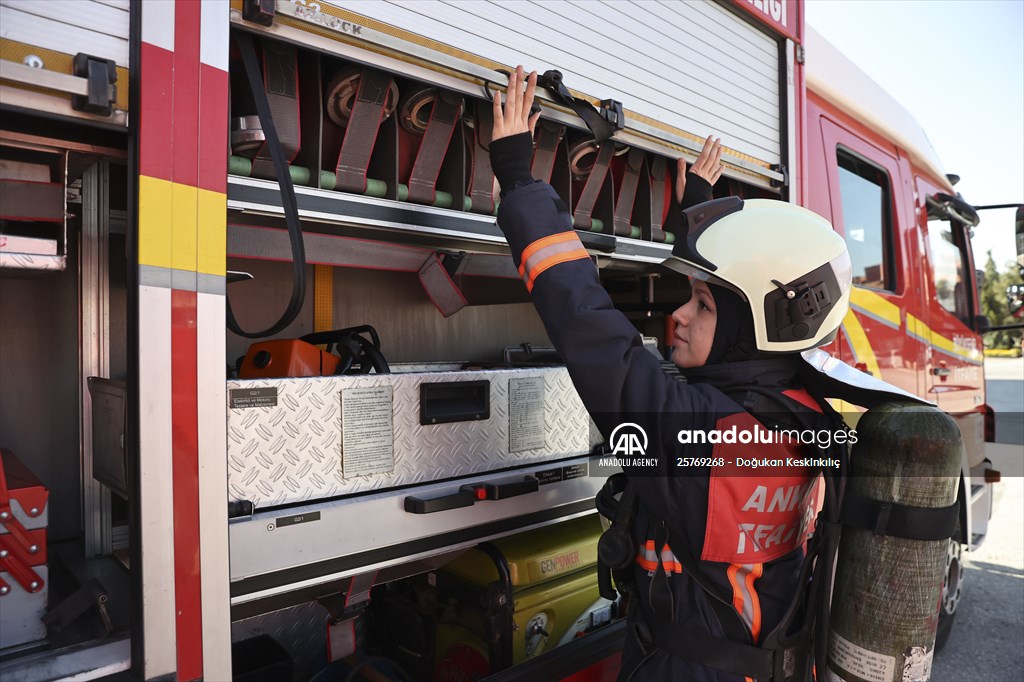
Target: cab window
(948, 270)
(867, 221)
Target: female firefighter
(721, 517)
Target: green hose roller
(441, 199)
(300, 175)
(239, 165)
(596, 225)
(670, 238)
(634, 232)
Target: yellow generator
(507, 601)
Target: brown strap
(627, 193)
(581, 216)
(440, 287)
(244, 241)
(443, 116)
(487, 265)
(549, 134)
(361, 132)
(659, 176)
(658, 173)
(281, 81)
(481, 180)
(28, 200)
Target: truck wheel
(952, 589)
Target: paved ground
(1004, 388)
(988, 638)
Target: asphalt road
(987, 644)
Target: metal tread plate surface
(300, 449)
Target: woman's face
(695, 327)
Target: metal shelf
(353, 215)
(31, 261)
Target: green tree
(994, 304)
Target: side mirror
(981, 324)
(1015, 299)
(1019, 230)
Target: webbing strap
(582, 212)
(658, 174)
(899, 520)
(440, 287)
(269, 243)
(481, 179)
(602, 124)
(361, 133)
(280, 82)
(443, 116)
(702, 648)
(627, 193)
(487, 265)
(548, 135)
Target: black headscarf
(754, 379)
(734, 330)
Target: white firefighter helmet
(786, 261)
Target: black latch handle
(506, 489)
(101, 79)
(418, 505)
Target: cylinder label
(917, 664)
(862, 663)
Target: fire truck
(274, 403)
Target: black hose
(288, 202)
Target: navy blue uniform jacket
(745, 528)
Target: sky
(958, 67)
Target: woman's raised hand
(514, 117)
(708, 165)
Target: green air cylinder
(885, 600)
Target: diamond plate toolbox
(302, 439)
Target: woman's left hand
(514, 117)
(708, 165)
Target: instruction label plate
(526, 414)
(367, 431)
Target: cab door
(872, 208)
(954, 366)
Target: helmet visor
(682, 267)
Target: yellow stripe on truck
(875, 305)
(860, 345)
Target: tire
(952, 591)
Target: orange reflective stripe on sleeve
(548, 252)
